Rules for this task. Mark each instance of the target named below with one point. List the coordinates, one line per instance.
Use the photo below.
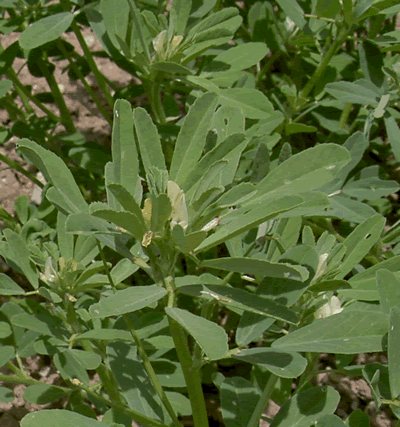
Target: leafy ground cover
(233, 243)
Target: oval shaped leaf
(211, 337)
(127, 301)
(45, 30)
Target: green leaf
(359, 243)
(115, 15)
(306, 407)
(371, 62)
(192, 137)
(5, 86)
(394, 351)
(294, 11)
(149, 141)
(182, 10)
(6, 395)
(370, 188)
(8, 286)
(5, 330)
(30, 322)
(211, 337)
(348, 209)
(238, 397)
(239, 57)
(292, 128)
(258, 267)
(126, 200)
(56, 171)
(65, 240)
(21, 256)
(358, 418)
(218, 153)
(127, 220)
(41, 394)
(248, 220)
(352, 92)
(253, 103)
(70, 366)
(7, 353)
(127, 301)
(306, 171)
(389, 290)
(393, 134)
(243, 300)
(59, 418)
(281, 364)
(330, 420)
(106, 335)
(125, 165)
(350, 332)
(45, 30)
(171, 67)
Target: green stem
(263, 401)
(66, 118)
(138, 417)
(24, 380)
(310, 370)
(85, 83)
(20, 169)
(345, 115)
(23, 91)
(321, 68)
(92, 64)
(191, 374)
(146, 362)
(153, 91)
(267, 66)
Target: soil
(355, 393)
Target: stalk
(191, 374)
(20, 169)
(153, 91)
(263, 401)
(66, 118)
(92, 64)
(85, 83)
(146, 362)
(345, 115)
(323, 65)
(24, 93)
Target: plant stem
(263, 401)
(66, 118)
(345, 115)
(191, 374)
(10, 74)
(322, 66)
(137, 416)
(153, 91)
(146, 362)
(23, 380)
(85, 83)
(20, 169)
(267, 66)
(92, 64)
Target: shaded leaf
(282, 364)
(394, 351)
(211, 337)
